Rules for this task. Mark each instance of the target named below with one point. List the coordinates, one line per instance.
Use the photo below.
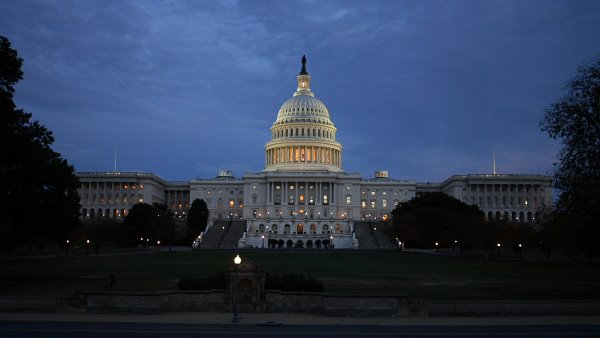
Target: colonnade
(507, 195)
(304, 154)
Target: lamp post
(498, 245)
(520, 251)
(331, 243)
(158, 245)
(263, 241)
(237, 261)
(87, 247)
(67, 248)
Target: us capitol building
(303, 194)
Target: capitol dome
(303, 108)
(303, 135)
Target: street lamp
(87, 250)
(158, 244)
(331, 243)
(520, 251)
(237, 261)
(67, 248)
(263, 241)
(498, 245)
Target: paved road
(146, 330)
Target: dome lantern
(303, 80)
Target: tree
(38, 188)
(575, 121)
(151, 222)
(437, 217)
(164, 224)
(197, 219)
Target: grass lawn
(373, 272)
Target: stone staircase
(234, 233)
(366, 238)
(382, 235)
(223, 234)
(373, 235)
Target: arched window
(325, 229)
(286, 229)
(274, 228)
(261, 228)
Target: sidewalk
(293, 319)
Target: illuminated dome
(303, 135)
(303, 107)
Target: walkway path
(292, 319)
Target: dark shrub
(196, 283)
(293, 282)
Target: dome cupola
(303, 135)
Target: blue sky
(424, 89)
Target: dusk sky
(423, 89)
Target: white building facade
(303, 195)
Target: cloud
(419, 88)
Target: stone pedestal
(247, 281)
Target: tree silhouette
(38, 188)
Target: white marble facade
(303, 193)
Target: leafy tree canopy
(437, 217)
(38, 188)
(575, 121)
(197, 218)
(154, 222)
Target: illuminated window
(301, 199)
(384, 203)
(373, 204)
(325, 199)
(363, 204)
(372, 193)
(348, 199)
